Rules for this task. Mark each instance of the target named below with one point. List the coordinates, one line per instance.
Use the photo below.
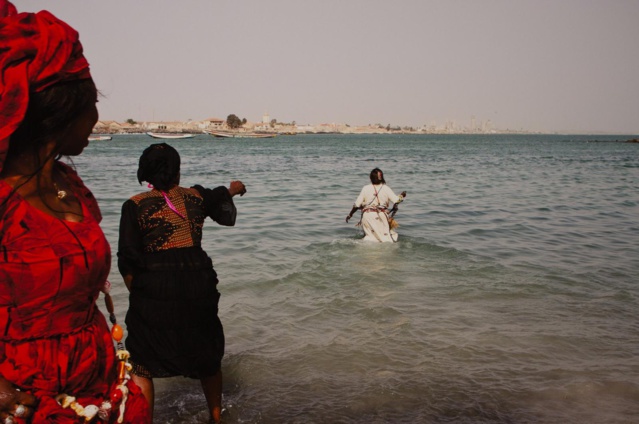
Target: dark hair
(377, 176)
(51, 112)
(160, 166)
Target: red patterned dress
(53, 338)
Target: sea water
(511, 296)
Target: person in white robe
(374, 200)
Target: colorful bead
(117, 332)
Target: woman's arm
(128, 280)
(393, 197)
(359, 203)
(350, 214)
(129, 242)
(218, 202)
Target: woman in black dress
(172, 322)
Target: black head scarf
(377, 176)
(160, 166)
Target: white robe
(374, 199)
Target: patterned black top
(148, 224)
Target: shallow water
(511, 296)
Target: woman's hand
(403, 194)
(237, 187)
(14, 403)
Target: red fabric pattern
(37, 51)
(53, 339)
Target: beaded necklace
(119, 394)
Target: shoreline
(631, 138)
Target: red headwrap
(37, 50)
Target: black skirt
(172, 322)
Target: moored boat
(172, 136)
(99, 137)
(239, 134)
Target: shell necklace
(61, 193)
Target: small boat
(239, 134)
(171, 136)
(99, 138)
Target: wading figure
(57, 359)
(374, 200)
(172, 322)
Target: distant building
(262, 126)
(107, 127)
(212, 124)
(170, 126)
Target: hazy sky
(541, 65)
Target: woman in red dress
(57, 359)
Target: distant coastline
(273, 127)
(129, 131)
